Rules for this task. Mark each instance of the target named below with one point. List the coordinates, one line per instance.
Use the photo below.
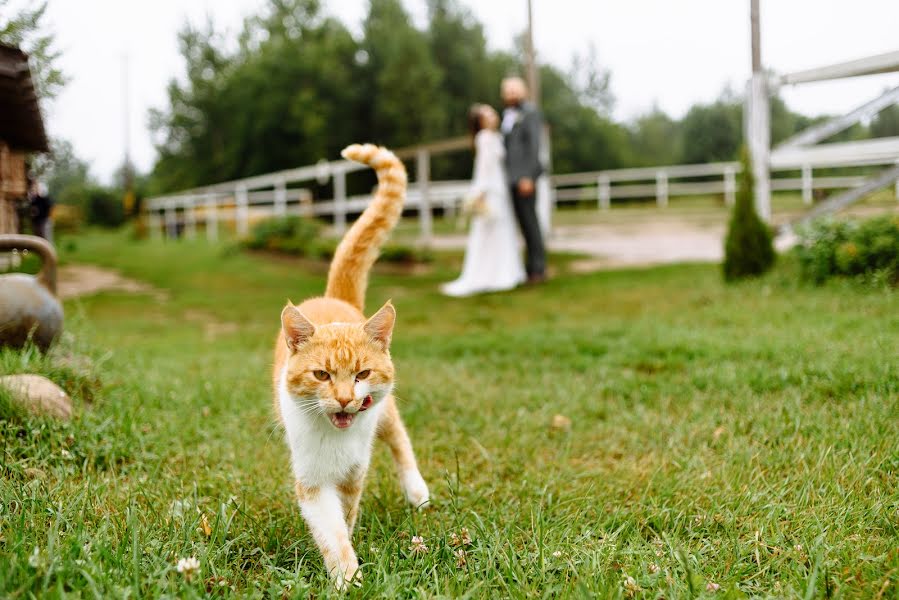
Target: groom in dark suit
(522, 128)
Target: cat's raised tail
(358, 250)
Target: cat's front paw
(346, 577)
(415, 489)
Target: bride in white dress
(492, 256)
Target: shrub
(749, 247)
(284, 234)
(867, 248)
(67, 219)
(302, 237)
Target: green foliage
(292, 235)
(655, 139)
(748, 247)
(582, 139)
(866, 248)
(886, 122)
(299, 88)
(712, 132)
(26, 30)
(102, 206)
(299, 236)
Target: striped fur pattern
(357, 252)
(333, 382)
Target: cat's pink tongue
(341, 420)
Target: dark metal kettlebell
(29, 307)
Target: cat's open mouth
(341, 420)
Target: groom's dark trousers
(523, 161)
(526, 213)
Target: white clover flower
(188, 567)
(461, 558)
(418, 545)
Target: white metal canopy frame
(804, 150)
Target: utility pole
(756, 38)
(758, 120)
(533, 72)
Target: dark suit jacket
(523, 145)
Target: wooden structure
(21, 131)
(241, 202)
(805, 150)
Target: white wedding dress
(492, 255)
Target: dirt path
(83, 280)
(642, 243)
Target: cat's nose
(343, 402)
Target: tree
(592, 82)
(748, 247)
(886, 122)
(712, 132)
(27, 31)
(61, 170)
(655, 139)
(404, 82)
(582, 139)
(288, 96)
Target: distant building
(21, 131)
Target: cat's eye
(363, 374)
(321, 375)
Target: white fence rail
(244, 201)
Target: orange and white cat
(333, 380)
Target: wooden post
(339, 176)
(662, 189)
(603, 192)
(157, 227)
(730, 186)
(896, 191)
(423, 181)
(533, 70)
(280, 198)
(243, 210)
(171, 224)
(807, 189)
(190, 217)
(212, 219)
(545, 192)
(758, 122)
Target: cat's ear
(297, 328)
(380, 325)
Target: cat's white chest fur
(321, 454)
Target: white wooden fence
(664, 182)
(241, 202)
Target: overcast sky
(664, 52)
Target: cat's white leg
(324, 514)
(392, 431)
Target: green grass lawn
(742, 436)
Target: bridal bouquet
(475, 205)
